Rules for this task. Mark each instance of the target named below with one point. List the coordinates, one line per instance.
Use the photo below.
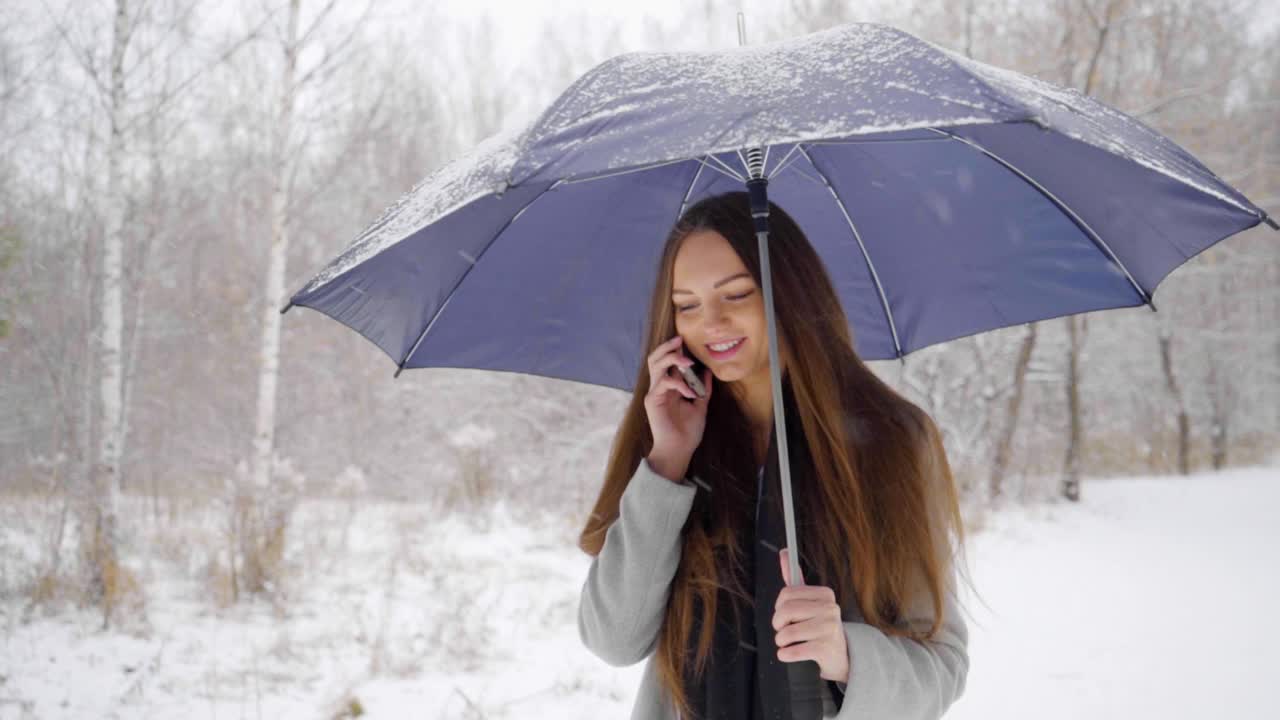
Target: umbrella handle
(804, 678)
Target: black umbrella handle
(804, 678)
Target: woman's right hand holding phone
(677, 425)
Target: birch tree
(131, 86)
(104, 541)
(264, 434)
(265, 516)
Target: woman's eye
(682, 308)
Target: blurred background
(172, 170)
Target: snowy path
(1155, 598)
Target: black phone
(693, 375)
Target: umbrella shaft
(758, 190)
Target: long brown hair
(873, 492)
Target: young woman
(685, 535)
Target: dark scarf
(744, 679)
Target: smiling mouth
(721, 354)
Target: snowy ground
(1155, 597)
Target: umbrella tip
(399, 369)
(285, 309)
(1267, 219)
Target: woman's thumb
(785, 557)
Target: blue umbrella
(945, 196)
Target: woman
(678, 534)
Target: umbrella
(947, 197)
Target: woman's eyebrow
(678, 291)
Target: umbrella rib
(875, 140)
(623, 172)
(422, 335)
(727, 170)
(875, 277)
(688, 193)
(567, 181)
(795, 168)
(785, 163)
(1079, 221)
(781, 163)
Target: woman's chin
(728, 373)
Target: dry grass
(347, 708)
(110, 584)
(476, 485)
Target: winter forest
(210, 509)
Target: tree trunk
(1004, 446)
(1071, 465)
(1175, 392)
(103, 540)
(1218, 416)
(140, 292)
(262, 520)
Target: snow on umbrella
(946, 197)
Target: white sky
(518, 15)
(518, 29)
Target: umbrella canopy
(946, 197)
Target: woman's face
(716, 300)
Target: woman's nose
(711, 325)
(712, 316)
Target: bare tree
(264, 517)
(123, 86)
(103, 542)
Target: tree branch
(184, 84)
(1162, 103)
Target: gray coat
(625, 596)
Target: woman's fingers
(677, 384)
(664, 356)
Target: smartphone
(693, 375)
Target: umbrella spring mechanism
(755, 163)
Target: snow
(1151, 598)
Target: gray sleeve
(625, 594)
(897, 677)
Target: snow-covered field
(1153, 598)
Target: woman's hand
(808, 626)
(677, 426)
